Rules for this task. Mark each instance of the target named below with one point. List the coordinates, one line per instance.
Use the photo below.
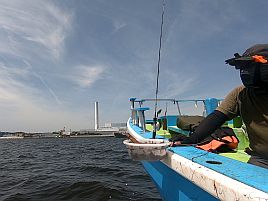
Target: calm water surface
(71, 169)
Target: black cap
(246, 59)
(259, 49)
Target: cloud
(118, 25)
(178, 85)
(32, 23)
(85, 76)
(205, 18)
(51, 91)
(13, 92)
(25, 108)
(32, 35)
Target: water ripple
(71, 169)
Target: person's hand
(176, 143)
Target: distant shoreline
(50, 135)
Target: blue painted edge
(142, 108)
(173, 186)
(248, 174)
(147, 135)
(178, 130)
(149, 121)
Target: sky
(58, 57)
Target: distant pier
(73, 134)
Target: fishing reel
(157, 124)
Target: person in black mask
(250, 101)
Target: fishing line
(195, 157)
(158, 66)
(204, 154)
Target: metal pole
(96, 116)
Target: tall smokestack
(96, 116)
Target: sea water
(71, 169)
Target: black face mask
(264, 73)
(253, 66)
(247, 76)
(252, 74)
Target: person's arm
(227, 110)
(212, 122)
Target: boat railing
(138, 113)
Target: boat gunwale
(249, 190)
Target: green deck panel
(239, 154)
(175, 129)
(161, 132)
(242, 137)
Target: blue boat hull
(173, 186)
(188, 173)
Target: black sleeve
(212, 122)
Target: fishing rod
(158, 68)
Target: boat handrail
(166, 99)
(172, 100)
(210, 104)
